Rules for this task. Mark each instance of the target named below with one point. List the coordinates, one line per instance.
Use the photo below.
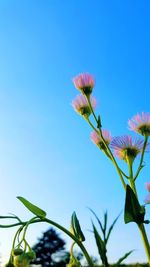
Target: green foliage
(100, 245)
(75, 227)
(133, 212)
(123, 258)
(34, 209)
(103, 237)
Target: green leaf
(34, 209)
(123, 258)
(75, 226)
(105, 221)
(100, 245)
(98, 220)
(133, 212)
(112, 226)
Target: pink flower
(84, 82)
(147, 186)
(81, 105)
(126, 148)
(140, 123)
(147, 199)
(97, 140)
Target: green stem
(110, 153)
(71, 249)
(131, 181)
(132, 184)
(141, 226)
(142, 158)
(79, 243)
(26, 226)
(88, 258)
(14, 240)
(145, 241)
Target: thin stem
(91, 108)
(88, 258)
(132, 184)
(132, 179)
(26, 226)
(145, 241)
(14, 240)
(79, 243)
(110, 153)
(142, 158)
(124, 174)
(71, 249)
(141, 226)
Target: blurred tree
(50, 250)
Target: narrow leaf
(105, 221)
(34, 209)
(98, 220)
(123, 258)
(133, 211)
(100, 245)
(75, 226)
(112, 226)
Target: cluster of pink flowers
(123, 146)
(126, 148)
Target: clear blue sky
(45, 151)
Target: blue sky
(45, 151)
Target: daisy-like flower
(97, 140)
(84, 82)
(126, 148)
(140, 123)
(81, 105)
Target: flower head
(84, 82)
(126, 148)
(96, 138)
(81, 105)
(140, 123)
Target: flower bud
(17, 251)
(84, 82)
(21, 260)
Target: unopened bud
(17, 251)
(21, 260)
